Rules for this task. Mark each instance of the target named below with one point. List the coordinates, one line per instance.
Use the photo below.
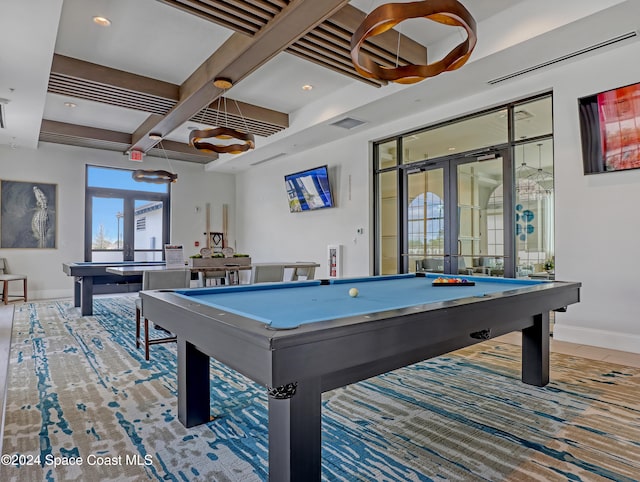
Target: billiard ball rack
(452, 282)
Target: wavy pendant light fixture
(197, 138)
(156, 176)
(387, 16)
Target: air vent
(571, 55)
(348, 123)
(269, 159)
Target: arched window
(426, 224)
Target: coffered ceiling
(68, 80)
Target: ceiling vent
(269, 158)
(3, 118)
(577, 53)
(348, 123)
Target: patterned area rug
(83, 398)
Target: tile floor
(584, 351)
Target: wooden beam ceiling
(85, 80)
(319, 31)
(238, 57)
(92, 137)
(327, 44)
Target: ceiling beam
(79, 69)
(389, 48)
(84, 132)
(238, 57)
(85, 80)
(94, 137)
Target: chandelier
(387, 16)
(222, 135)
(156, 176)
(532, 183)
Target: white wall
(64, 166)
(597, 220)
(269, 232)
(596, 227)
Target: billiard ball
(353, 292)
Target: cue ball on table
(353, 292)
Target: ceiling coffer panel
(326, 45)
(84, 80)
(239, 16)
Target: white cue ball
(353, 292)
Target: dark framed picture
(28, 214)
(610, 130)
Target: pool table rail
(387, 339)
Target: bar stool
(5, 277)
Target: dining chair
(5, 277)
(307, 272)
(158, 280)
(267, 273)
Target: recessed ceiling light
(307, 87)
(155, 137)
(102, 21)
(452, 148)
(71, 105)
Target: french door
(129, 228)
(458, 216)
(125, 220)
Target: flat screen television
(309, 190)
(610, 130)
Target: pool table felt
(288, 305)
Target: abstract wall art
(27, 214)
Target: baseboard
(37, 295)
(604, 339)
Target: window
(124, 219)
(441, 190)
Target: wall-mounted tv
(610, 130)
(308, 190)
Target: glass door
(125, 220)
(426, 211)
(148, 222)
(479, 227)
(107, 229)
(456, 217)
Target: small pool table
(92, 277)
(303, 338)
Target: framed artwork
(610, 130)
(28, 214)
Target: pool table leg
(193, 385)
(77, 285)
(295, 443)
(535, 351)
(86, 296)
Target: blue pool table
(303, 338)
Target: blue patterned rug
(80, 392)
